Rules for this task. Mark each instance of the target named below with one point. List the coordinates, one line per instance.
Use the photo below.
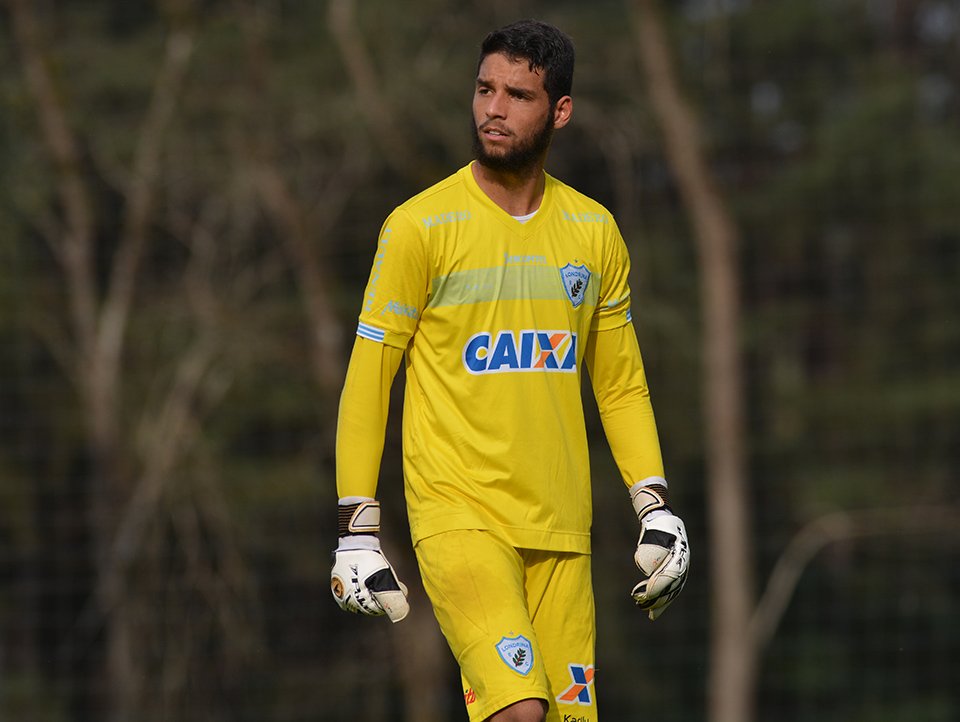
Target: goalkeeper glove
(362, 580)
(663, 554)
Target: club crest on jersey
(530, 350)
(517, 653)
(575, 280)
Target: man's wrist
(649, 498)
(357, 542)
(358, 516)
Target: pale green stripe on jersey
(506, 283)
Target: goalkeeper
(495, 288)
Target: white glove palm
(663, 553)
(362, 580)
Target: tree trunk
(732, 660)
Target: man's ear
(562, 111)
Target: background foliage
(832, 131)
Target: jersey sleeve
(362, 419)
(623, 399)
(396, 291)
(613, 304)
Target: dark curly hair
(543, 46)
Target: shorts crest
(517, 653)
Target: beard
(526, 154)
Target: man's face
(512, 115)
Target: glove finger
(655, 612)
(348, 586)
(653, 549)
(352, 597)
(389, 592)
(655, 606)
(650, 557)
(665, 580)
(665, 600)
(647, 597)
(657, 591)
(394, 604)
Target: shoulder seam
(426, 193)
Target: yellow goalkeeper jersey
(494, 315)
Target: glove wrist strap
(358, 518)
(358, 542)
(648, 496)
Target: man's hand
(663, 554)
(362, 580)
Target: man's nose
(496, 108)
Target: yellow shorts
(520, 622)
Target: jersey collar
(521, 229)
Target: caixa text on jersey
(529, 350)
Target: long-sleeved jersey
(495, 320)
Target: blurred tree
(732, 672)
(135, 510)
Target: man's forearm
(362, 420)
(620, 386)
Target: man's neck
(517, 193)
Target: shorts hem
(482, 712)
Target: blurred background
(190, 197)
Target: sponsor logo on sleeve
(400, 309)
(371, 292)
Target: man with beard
(495, 287)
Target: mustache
(490, 125)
